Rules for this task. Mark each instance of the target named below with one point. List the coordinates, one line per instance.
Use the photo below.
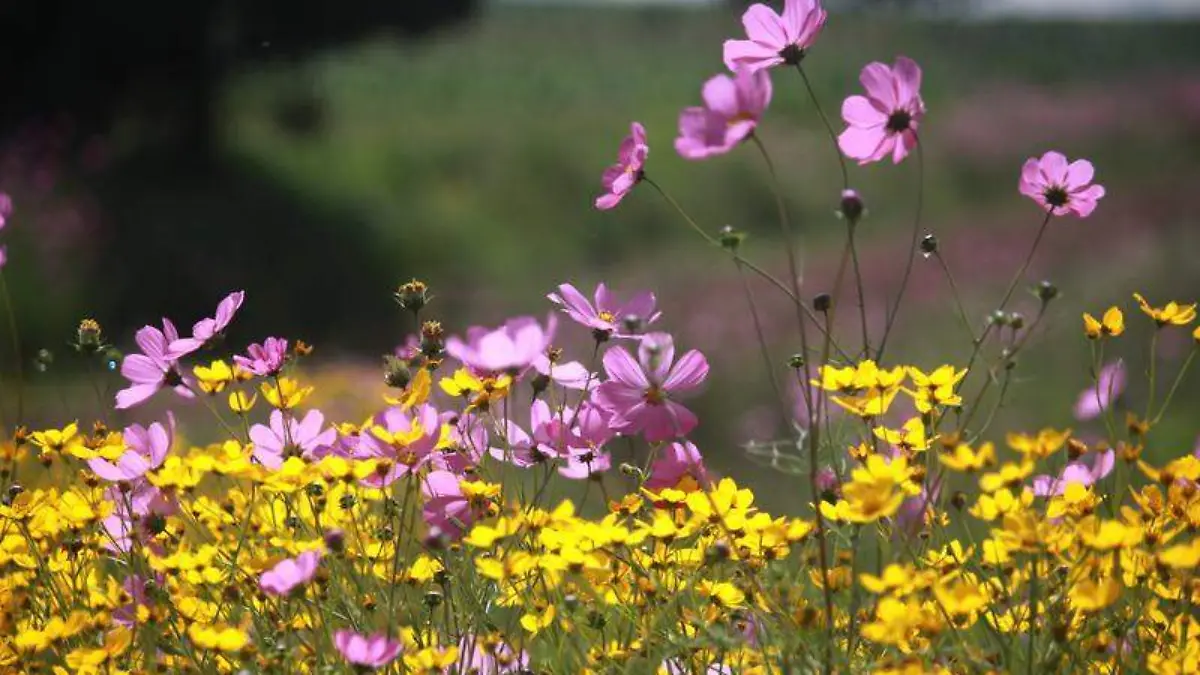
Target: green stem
(912, 254)
(15, 336)
(1175, 386)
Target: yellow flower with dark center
(936, 388)
(1173, 313)
(1009, 476)
(218, 637)
(1111, 324)
(1090, 595)
(285, 393)
(481, 393)
(1108, 535)
(911, 437)
(1045, 443)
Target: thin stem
(858, 282)
(1153, 384)
(15, 335)
(768, 362)
(828, 127)
(1178, 379)
(912, 253)
(962, 312)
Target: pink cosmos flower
(511, 348)
(606, 315)
(1075, 472)
(206, 329)
(885, 121)
(291, 438)
(447, 511)
(135, 588)
(569, 374)
(1059, 187)
(639, 392)
(468, 441)
(290, 573)
(1110, 384)
(153, 369)
(620, 178)
(138, 514)
(375, 651)
(775, 39)
(731, 111)
(266, 359)
(145, 450)
(405, 455)
(679, 460)
(581, 463)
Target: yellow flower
(214, 378)
(1111, 324)
(87, 661)
(936, 388)
(481, 392)
(1010, 475)
(1173, 313)
(876, 490)
(54, 442)
(416, 393)
(965, 459)
(872, 403)
(285, 394)
(535, 623)
(963, 598)
(1088, 595)
(1046, 443)
(1196, 335)
(218, 637)
(433, 659)
(1107, 535)
(240, 402)
(911, 437)
(720, 593)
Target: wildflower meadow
(515, 506)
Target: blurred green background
(469, 158)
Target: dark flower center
(654, 396)
(792, 54)
(172, 378)
(899, 121)
(1056, 196)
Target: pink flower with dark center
(511, 348)
(583, 463)
(291, 438)
(885, 121)
(153, 369)
(731, 111)
(145, 449)
(639, 393)
(776, 39)
(1110, 384)
(208, 328)
(290, 573)
(140, 512)
(264, 360)
(375, 651)
(621, 177)
(1061, 188)
(135, 589)
(679, 460)
(607, 315)
(1075, 472)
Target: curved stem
(912, 253)
(862, 298)
(828, 127)
(15, 335)
(1178, 378)
(962, 312)
(768, 362)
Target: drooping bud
(1046, 291)
(851, 207)
(823, 302)
(796, 361)
(396, 373)
(731, 238)
(929, 245)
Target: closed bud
(1075, 449)
(335, 540)
(1046, 291)
(796, 361)
(851, 207)
(1016, 321)
(631, 471)
(929, 245)
(88, 337)
(395, 372)
(959, 500)
(998, 318)
(433, 339)
(539, 383)
(412, 296)
(823, 302)
(731, 238)
(433, 598)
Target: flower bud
(851, 207)
(1046, 291)
(433, 339)
(823, 302)
(796, 361)
(412, 296)
(1016, 321)
(929, 245)
(395, 372)
(731, 239)
(88, 337)
(43, 360)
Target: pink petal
(750, 55)
(720, 95)
(620, 366)
(859, 111)
(1054, 168)
(907, 75)
(763, 25)
(131, 396)
(688, 373)
(861, 143)
(877, 79)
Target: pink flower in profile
(620, 178)
(775, 39)
(680, 460)
(153, 369)
(291, 438)
(448, 511)
(1075, 472)
(266, 359)
(6, 209)
(605, 314)
(581, 464)
(290, 573)
(639, 392)
(208, 328)
(145, 449)
(3, 256)
(1061, 188)
(1110, 384)
(885, 121)
(375, 651)
(511, 348)
(731, 111)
